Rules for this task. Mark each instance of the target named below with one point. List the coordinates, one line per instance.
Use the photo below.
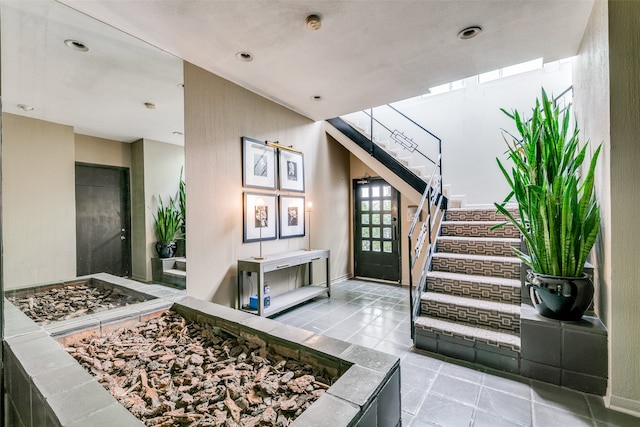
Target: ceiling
(366, 53)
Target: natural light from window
(512, 70)
(523, 67)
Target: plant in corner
(559, 216)
(182, 204)
(167, 220)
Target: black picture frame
(291, 170)
(258, 164)
(252, 232)
(292, 216)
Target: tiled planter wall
(45, 387)
(569, 354)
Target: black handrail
(413, 122)
(373, 119)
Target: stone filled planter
(46, 386)
(561, 298)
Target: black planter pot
(561, 298)
(166, 249)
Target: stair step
(418, 170)
(478, 214)
(470, 334)
(488, 314)
(478, 229)
(405, 161)
(479, 265)
(181, 264)
(471, 286)
(496, 246)
(175, 273)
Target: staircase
(170, 271)
(471, 307)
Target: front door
(376, 231)
(102, 220)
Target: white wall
(469, 122)
(607, 99)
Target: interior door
(102, 220)
(376, 230)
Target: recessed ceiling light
(244, 56)
(76, 45)
(314, 22)
(150, 105)
(177, 133)
(469, 32)
(317, 97)
(25, 107)
(180, 85)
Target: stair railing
(381, 125)
(422, 241)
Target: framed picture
(291, 170)
(258, 164)
(260, 217)
(292, 216)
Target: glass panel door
(377, 241)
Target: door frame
(127, 256)
(354, 192)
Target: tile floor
(438, 391)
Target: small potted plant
(559, 217)
(167, 220)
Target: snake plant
(559, 215)
(167, 221)
(182, 202)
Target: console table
(280, 262)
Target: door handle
(394, 228)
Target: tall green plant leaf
(559, 216)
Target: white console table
(280, 262)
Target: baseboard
(342, 278)
(141, 279)
(622, 404)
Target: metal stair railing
(422, 241)
(419, 145)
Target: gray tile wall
(554, 351)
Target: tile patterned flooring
(438, 391)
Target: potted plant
(167, 220)
(559, 217)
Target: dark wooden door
(376, 230)
(102, 220)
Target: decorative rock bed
(47, 387)
(63, 301)
(167, 371)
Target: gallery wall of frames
(268, 169)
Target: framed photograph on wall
(292, 216)
(258, 164)
(291, 170)
(260, 217)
